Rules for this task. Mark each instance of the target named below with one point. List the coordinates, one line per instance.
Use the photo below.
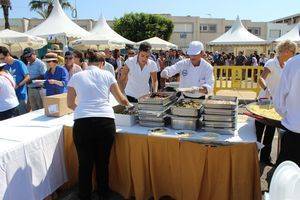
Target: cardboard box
(56, 105)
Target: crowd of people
(90, 77)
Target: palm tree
(6, 5)
(44, 7)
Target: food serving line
(190, 163)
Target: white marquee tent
(16, 41)
(58, 24)
(159, 44)
(237, 35)
(293, 35)
(102, 36)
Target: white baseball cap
(195, 48)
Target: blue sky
(256, 10)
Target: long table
(37, 156)
(143, 165)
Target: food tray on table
(154, 107)
(158, 98)
(158, 131)
(151, 124)
(124, 117)
(151, 118)
(212, 111)
(214, 124)
(187, 108)
(221, 102)
(184, 123)
(219, 118)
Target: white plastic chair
(285, 183)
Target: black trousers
(290, 148)
(132, 99)
(93, 138)
(266, 140)
(8, 114)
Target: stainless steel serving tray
(184, 123)
(219, 118)
(151, 124)
(163, 101)
(186, 112)
(207, 104)
(151, 118)
(214, 124)
(213, 111)
(155, 107)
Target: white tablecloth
(31, 153)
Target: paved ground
(265, 170)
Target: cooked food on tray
(189, 104)
(158, 131)
(267, 111)
(211, 101)
(185, 133)
(159, 95)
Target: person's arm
(154, 81)
(170, 71)
(124, 77)
(115, 90)
(262, 79)
(71, 97)
(208, 86)
(64, 79)
(24, 81)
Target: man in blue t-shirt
(19, 72)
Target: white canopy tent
(238, 35)
(158, 44)
(17, 42)
(293, 35)
(102, 36)
(58, 24)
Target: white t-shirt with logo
(193, 76)
(92, 87)
(138, 80)
(273, 79)
(8, 97)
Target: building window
(183, 28)
(208, 28)
(254, 30)
(275, 33)
(227, 28)
(183, 35)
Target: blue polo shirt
(18, 70)
(60, 74)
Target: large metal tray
(155, 107)
(186, 112)
(214, 124)
(151, 124)
(183, 123)
(163, 101)
(213, 111)
(219, 118)
(151, 118)
(208, 104)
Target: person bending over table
(56, 77)
(136, 73)
(286, 103)
(195, 72)
(94, 126)
(269, 82)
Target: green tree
(141, 26)
(6, 5)
(44, 7)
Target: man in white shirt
(136, 73)
(195, 73)
(286, 102)
(269, 82)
